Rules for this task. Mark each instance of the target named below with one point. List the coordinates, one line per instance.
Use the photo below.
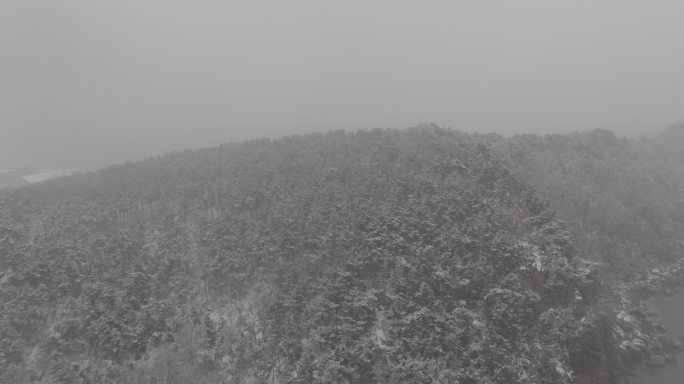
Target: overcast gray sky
(87, 83)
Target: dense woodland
(384, 256)
(623, 198)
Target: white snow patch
(6, 276)
(562, 370)
(538, 261)
(578, 295)
(44, 176)
(624, 316)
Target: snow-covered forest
(423, 255)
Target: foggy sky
(87, 83)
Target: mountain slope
(621, 197)
(378, 256)
(624, 201)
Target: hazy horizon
(88, 84)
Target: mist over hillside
(541, 241)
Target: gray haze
(86, 83)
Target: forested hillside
(623, 198)
(380, 256)
(384, 256)
(670, 145)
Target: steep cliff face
(379, 256)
